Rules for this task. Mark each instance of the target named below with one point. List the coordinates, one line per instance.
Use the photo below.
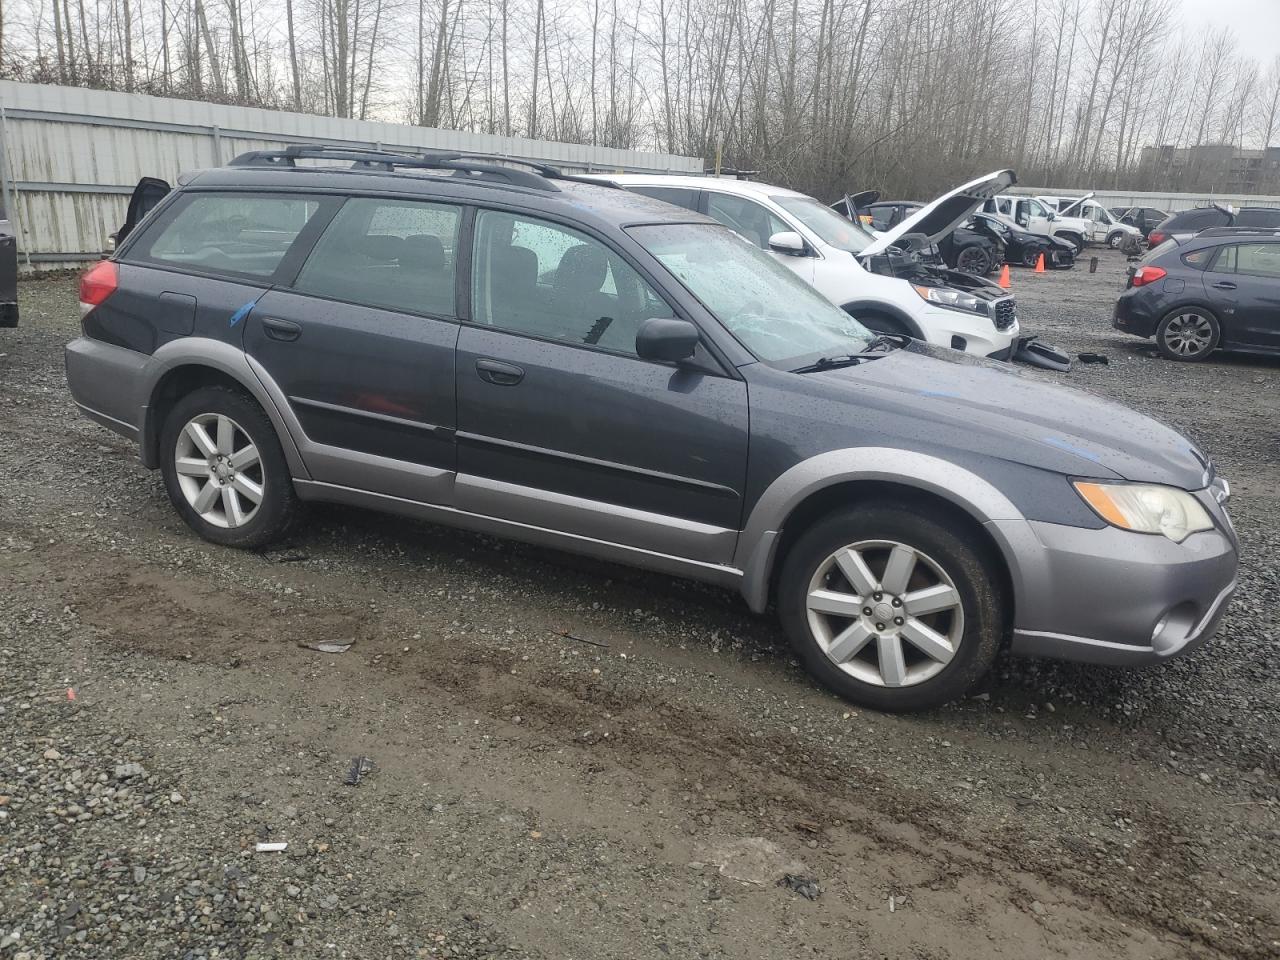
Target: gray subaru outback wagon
(504, 348)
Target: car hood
(939, 217)
(959, 400)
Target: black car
(8, 274)
(1187, 223)
(1023, 247)
(1145, 219)
(969, 251)
(1220, 289)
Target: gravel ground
(639, 795)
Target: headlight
(952, 299)
(1146, 508)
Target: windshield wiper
(870, 352)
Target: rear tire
(224, 470)
(936, 607)
(975, 259)
(1188, 334)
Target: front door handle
(499, 373)
(1224, 285)
(278, 329)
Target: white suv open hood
(939, 217)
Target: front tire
(1188, 334)
(1115, 239)
(891, 609)
(224, 470)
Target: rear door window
(239, 234)
(1258, 260)
(395, 254)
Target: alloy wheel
(219, 470)
(1188, 334)
(973, 260)
(885, 613)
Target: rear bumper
(1114, 597)
(106, 382)
(1133, 314)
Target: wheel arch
(854, 307)
(814, 487)
(193, 362)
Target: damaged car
(963, 249)
(1022, 247)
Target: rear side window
(1195, 220)
(240, 234)
(1199, 259)
(680, 196)
(396, 254)
(1258, 218)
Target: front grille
(1005, 313)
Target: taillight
(1157, 237)
(1145, 275)
(98, 283)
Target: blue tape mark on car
(243, 312)
(1072, 448)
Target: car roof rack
(538, 177)
(1239, 231)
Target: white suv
(884, 285)
(1102, 226)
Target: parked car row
(518, 351)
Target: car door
(1244, 283)
(361, 343)
(562, 426)
(758, 223)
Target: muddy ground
(632, 793)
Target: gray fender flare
(236, 364)
(757, 547)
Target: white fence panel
(69, 157)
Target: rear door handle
(1224, 285)
(499, 373)
(278, 329)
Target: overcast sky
(1256, 23)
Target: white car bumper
(968, 332)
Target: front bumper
(971, 333)
(1115, 597)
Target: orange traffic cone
(1040, 264)
(1004, 277)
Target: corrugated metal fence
(1169, 202)
(69, 157)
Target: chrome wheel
(1188, 334)
(885, 613)
(219, 470)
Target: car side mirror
(788, 242)
(666, 340)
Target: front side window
(834, 229)
(544, 280)
(233, 233)
(1258, 259)
(771, 311)
(748, 218)
(393, 254)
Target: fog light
(959, 343)
(1174, 628)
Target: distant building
(1211, 167)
